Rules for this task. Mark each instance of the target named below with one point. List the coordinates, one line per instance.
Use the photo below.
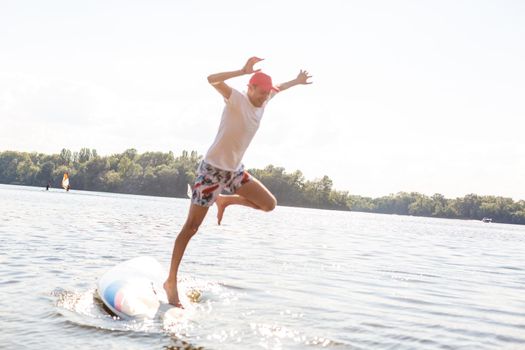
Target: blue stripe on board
(111, 292)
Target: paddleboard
(134, 288)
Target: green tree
(26, 171)
(46, 173)
(8, 166)
(422, 206)
(66, 157)
(439, 205)
(85, 155)
(112, 181)
(468, 206)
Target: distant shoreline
(59, 189)
(166, 175)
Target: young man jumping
(222, 168)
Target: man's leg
(252, 194)
(194, 220)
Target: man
(221, 169)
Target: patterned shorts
(211, 181)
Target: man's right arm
(217, 80)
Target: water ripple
(290, 279)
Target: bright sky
(425, 96)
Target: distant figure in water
(65, 182)
(222, 168)
(48, 184)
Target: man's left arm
(302, 79)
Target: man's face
(257, 95)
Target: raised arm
(302, 79)
(217, 80)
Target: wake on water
(86, 309)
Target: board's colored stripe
(111, 294)
(118, 300)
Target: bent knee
(269, 205)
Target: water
(290, 279)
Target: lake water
(290, 279)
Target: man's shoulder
(239, 94)
(238, 97)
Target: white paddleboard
(134, 288)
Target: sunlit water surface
(290, 279)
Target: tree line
(164, 174)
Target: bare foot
(221, 205)
(173, 295)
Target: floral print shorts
(211, 181)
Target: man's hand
(302, 77)
(248, 67)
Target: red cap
(264, 81)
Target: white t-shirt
(239, 123)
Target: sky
(424, 96)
